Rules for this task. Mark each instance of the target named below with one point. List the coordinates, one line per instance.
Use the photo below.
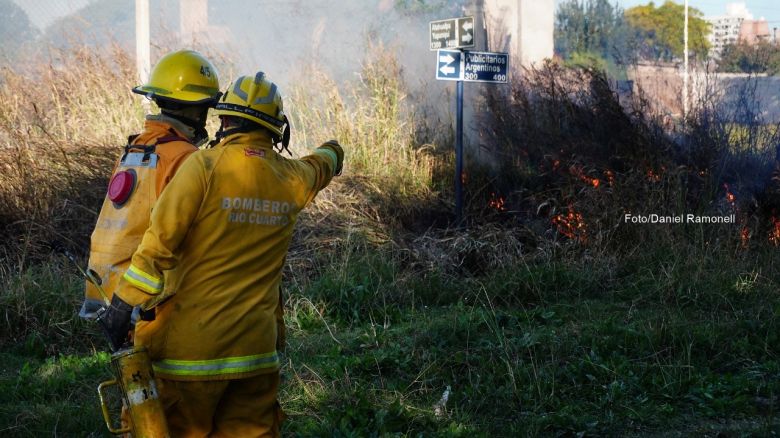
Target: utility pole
(142, 50)
(685, 75)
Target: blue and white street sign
(463, 65)
(486, 67)
(450, 65)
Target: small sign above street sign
(452, 33)
(466, 32)
(449, 66)
(463, 65)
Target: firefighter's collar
(255, 138)
(186, 131)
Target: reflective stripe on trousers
(215, 367)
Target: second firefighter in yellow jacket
(219, 236)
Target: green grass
(646, 347)
(53, 396)
(538, 349)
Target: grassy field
(543, 316)
(661, 344)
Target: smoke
(281, 37)
(278, 37)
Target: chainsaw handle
(104, 406)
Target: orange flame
(580, 173)
(774, 232)
(497, 202)
(652, 176)
(744, 236)
(729, 196)
(610, 177)
(571, 225)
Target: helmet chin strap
(285, 138)
(222, 133)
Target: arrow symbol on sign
(468, 25)
(466, 38)
(447, 70)
(448, 59)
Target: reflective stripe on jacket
(219, 235)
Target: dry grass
(61, 125)
(375, 122)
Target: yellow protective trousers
(240, 408)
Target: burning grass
(545, 315)
(586, 158)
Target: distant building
(725, 29)
(754, 31)
(737, 25)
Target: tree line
(601, 34)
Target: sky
(43, 12)
(769, 9)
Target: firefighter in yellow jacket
(184, 86)
(212, 258)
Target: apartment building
(736, 25)
(724, 30)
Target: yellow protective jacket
(153, 156)
(219, 236)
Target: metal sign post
(466, 66)
(459, 154)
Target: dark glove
(336, 147)
(115, 322)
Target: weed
(546, 315)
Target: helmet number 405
(205, 71)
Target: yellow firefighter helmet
(185, 77)
(256, 99)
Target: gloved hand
(115, 322)
(336, 147)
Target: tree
(659, 30)
(742, 57)
(592, 28)
(15, 29)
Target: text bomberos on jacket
(257, 211)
